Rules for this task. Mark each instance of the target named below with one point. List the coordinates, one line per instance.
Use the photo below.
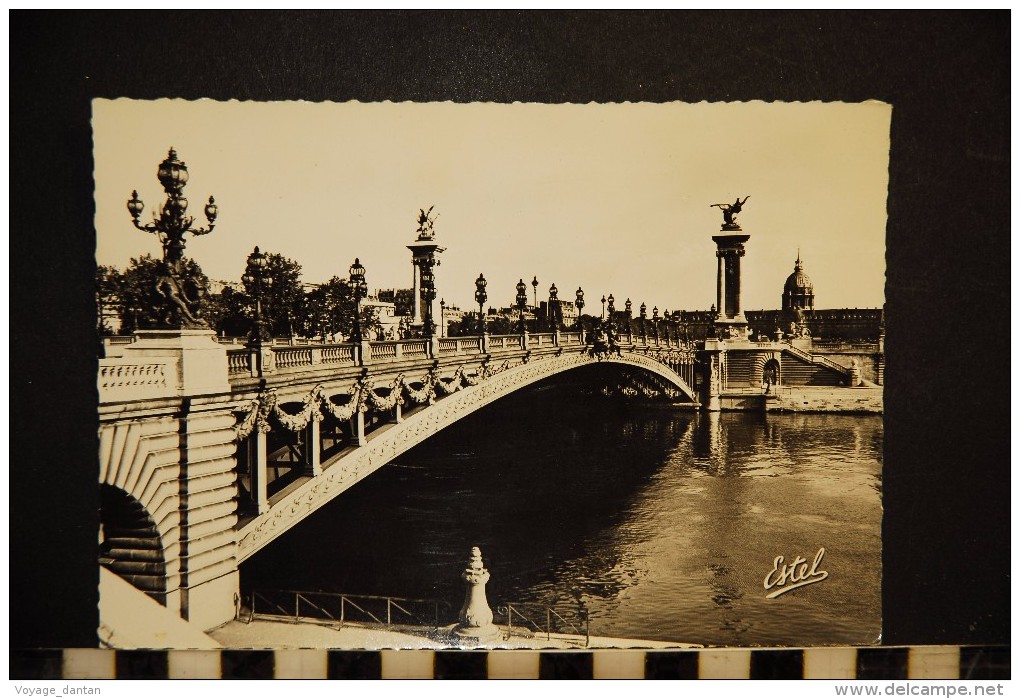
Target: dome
(798, 292)
(799, 282)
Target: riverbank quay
(276, 633)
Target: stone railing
(291, 357)
(460, 345)
(817, 359)
(843, 346)
(337, 354)
(498, 342)
(383, 350)
(414, 348)
(238, 361)
(123, 379)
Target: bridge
(207, 453)
(210, 452)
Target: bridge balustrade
(505, 342)
(414, 348)
(460, 345)
(384, 350)
(337, 354)
(291, 357)
(238, 361)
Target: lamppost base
(197, 362)
(476, 634)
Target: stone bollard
(475, 616)
(855, 374)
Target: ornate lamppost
(442, 317)
(644, 319)
(603, 306)
(428, 288)
(256, 277)
(181, 300)
(480, 298)
(554, 304)
(522, 303)
(627, 309)
(655, 323)
(611, 308)
(534, 287)
(579, 302)
(360, 289)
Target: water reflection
(664, 523)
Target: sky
(613, 198)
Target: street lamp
(603, 306)
(627, 309)
(480, 298)
(579, 302)
(360, 289)
(644, 318)
(554, 300)
(655, 323)
(442, 317)
(428, 285)
(612, 308)
(522, 302)
(181, 306)
(256, 276)
(534, 286)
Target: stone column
(475, 616)
(738, 309)
(713, 386)
(416, 308)
(260, 473)
(313, 451)
(720, 286)
(358, 429)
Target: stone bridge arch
(139, 471)
(476, 391)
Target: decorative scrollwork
(247, 423)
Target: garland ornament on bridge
(364, 395)
(181, 297)
(267, 405)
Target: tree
(108, 300)
(283, 303)
(230, 312)
(328, 309)
(140, 301)
(501, 325)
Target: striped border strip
(877, 663)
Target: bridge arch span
(468, 397)
(139, 471)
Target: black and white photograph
(436, 375)
(509, 344)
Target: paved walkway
(295, 634)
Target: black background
(946, 483)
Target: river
(664, 523)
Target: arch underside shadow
(383, 447)
(131, 545)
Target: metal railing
(550, 620)
(341, 608)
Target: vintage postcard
(429, 375)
